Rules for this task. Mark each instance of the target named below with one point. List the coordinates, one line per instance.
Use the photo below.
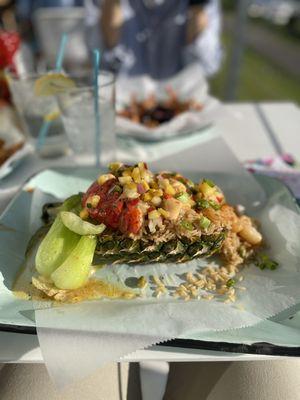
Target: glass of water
(78, 115)
(34, 110)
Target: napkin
(282, 167)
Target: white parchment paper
(77, 339)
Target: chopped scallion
(204, 223)
(202, 204)
(214, 205)
(209, 182)
(183, 197)
(230, 283)
(117, 189)
(263, 261)
(187, 225)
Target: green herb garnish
(190, 184)
(263, 261)
(214, 205)
(204, 223)
(203, 204)
(209, 182)
(242, 251)
(117, 189)
(187, 225)
(230, 283)
(183, 197)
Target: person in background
(156, 37)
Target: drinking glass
(78, 115)
(33, 110)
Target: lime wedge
(49, 85)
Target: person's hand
(111, 21)
(197, 21)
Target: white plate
(17, 315)
(188, 84)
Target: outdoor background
(261, 47)
(270, 59)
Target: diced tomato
(131, 220)
(167, 196)
(93, 189)
(110, 206)
(101, 190)
(133, 203)
(219, 198)
(112, 210)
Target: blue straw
(42, 134)
(58, 66)
(96, 63)
(61, 52)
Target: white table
(250, 135)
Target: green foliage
(228, 5)
(260, 79)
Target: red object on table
(9, 46)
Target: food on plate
(7, 151)
(152, 112)
(131, 215)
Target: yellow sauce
(23, 288)
(94, 289)
(97, 289)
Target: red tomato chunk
(112, 210)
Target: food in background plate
(152, 112)
(7, 151)
(131, 215)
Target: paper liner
(76, 339)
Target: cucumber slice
(58, 243)
(55, 247)
(75, 270)
(77, 225)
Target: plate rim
(256, 348)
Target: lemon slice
(49, 85)
(52, 116)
